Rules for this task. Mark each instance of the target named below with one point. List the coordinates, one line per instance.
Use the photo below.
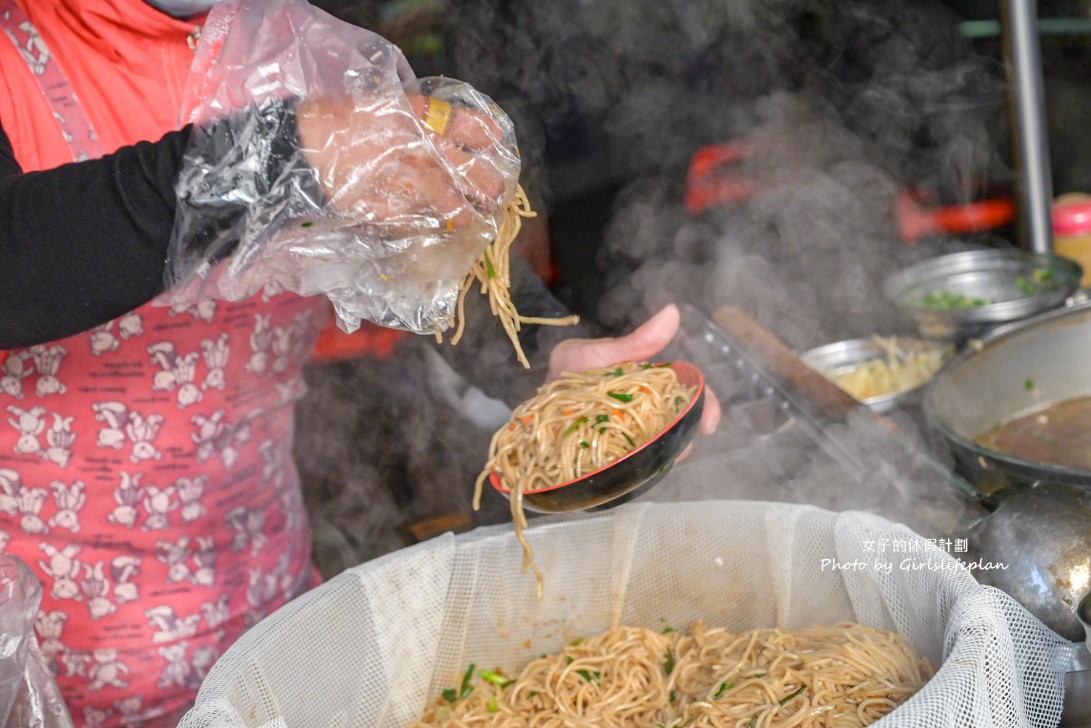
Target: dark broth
(1058, 435)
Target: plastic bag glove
(29, 695)
(320, 165)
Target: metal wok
(1017, 368)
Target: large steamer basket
(1016, 369)
(377, 644)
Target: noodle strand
(493, 272)
(630, 676)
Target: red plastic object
(370, 339)
(713, 180)
(709, 184)
(915, 220)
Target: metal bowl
(628, 476)
(963, 295)
(842, 357)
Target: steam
(842, 106)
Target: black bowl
(631, 475)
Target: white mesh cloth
(372, 646)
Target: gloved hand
(419, 180)
(320, 165)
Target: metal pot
(1017, 368)
(1077, 690)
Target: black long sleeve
(85, 242)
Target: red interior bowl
(628, 476)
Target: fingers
(486, 184)
(642, 344)
(459, 132)
(646, 341)
(419, 187)
(656, 333)
(377, 165)
(461, 126)
(710, 417)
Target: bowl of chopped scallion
(964, 295)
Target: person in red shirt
(145, 468)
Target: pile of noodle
(577, 424)
(897, 369)
(841, 675)
(492, 271)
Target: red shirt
(145, 466)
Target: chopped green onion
(674, 696)
(621, 396)
(949, 299)
(616, 373)
(585, 444)
(669, 665)
(1028, 384)
(602, 430)
(631, 441)
(467, 688)
(752, 722)
(602, 418)
(724, 686)
(495, 678)
(757, 675)
(591, 677)
(307, 223)
(492, 706)
(575, 425)
(489, 270)
(788, 698)
(576, 641)
(668, 629)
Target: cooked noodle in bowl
(584, 421)
(592, 438)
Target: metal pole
(1024, 66)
